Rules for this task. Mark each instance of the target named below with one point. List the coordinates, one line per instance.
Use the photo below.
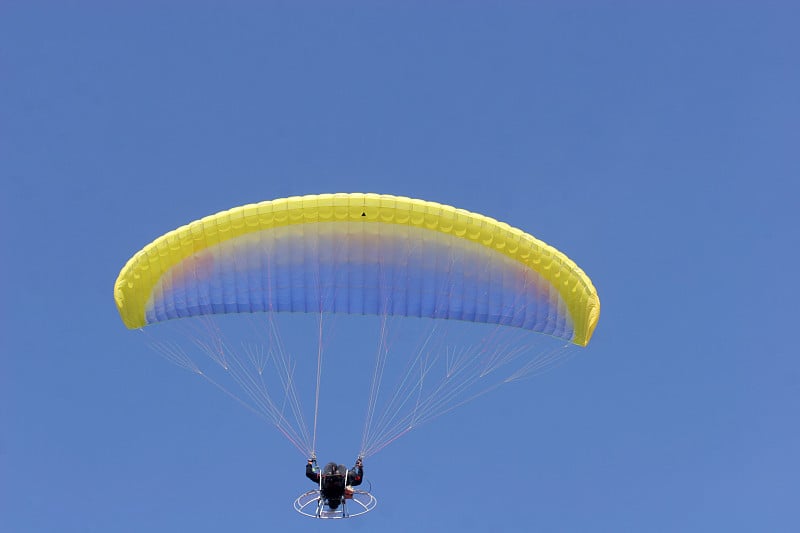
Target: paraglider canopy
(356, 253)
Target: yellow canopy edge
(141, 273)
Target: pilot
(335, 481)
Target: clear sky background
(656, 145)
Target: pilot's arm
(356, 475)
(310, 474)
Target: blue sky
(656, 145)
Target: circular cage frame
(312, 504)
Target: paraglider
(491, 304)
